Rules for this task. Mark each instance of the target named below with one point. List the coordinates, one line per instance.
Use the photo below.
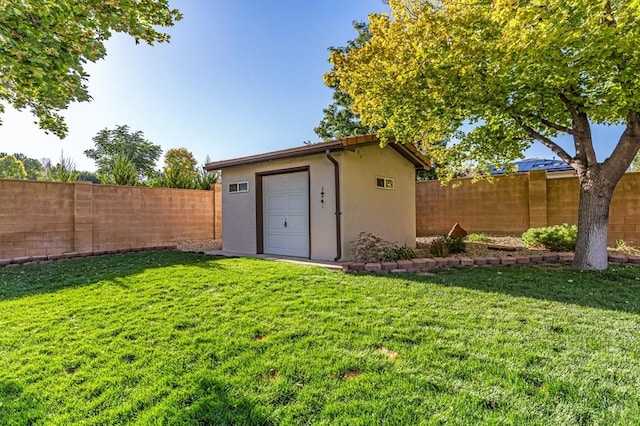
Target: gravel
(199, 245)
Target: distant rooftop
(533, 164)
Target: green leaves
(44, 46)
(519, 71)
(124, 157)
(12, 168)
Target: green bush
(555, 238)
(446, 245)
(400, 253)
(478, 238)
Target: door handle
(285, 222)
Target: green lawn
(178, 338)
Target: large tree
(492, 76)
(44, 46)
(115, 148)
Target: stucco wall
(389, 214)
(239, 209)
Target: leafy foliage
(204, 179)
(122, 171)
(85, 176)
(635, 164)
(339, 120)
(400, 253)
(478, 238)
(63, 171)
(445, 245)
(555, 238)
(114, 147)
(508, 68)
(12, 168)
(45, 45)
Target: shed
(312, 201)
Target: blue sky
(239, 77)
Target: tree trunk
(593, 224)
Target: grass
(178, 338)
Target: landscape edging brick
(55, 257)
(427, 264)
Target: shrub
(369, 248)
(555, 238)
(400, 253)
(446, 245)
(478, 238)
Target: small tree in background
(179, 169)
(205, 179)
(114, 146)
(63, 171)
(121, 171)
(12, 168)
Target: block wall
(511, 205)
(44, 218)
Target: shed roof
(408, 151)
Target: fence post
(538, 199)
(82, 217)
(216, 188)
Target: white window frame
(388, 183)
(236, 186)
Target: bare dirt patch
(351, 374)
(388, 353)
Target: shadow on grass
(617, 288)
(25, 280)
(212, 405)
(17, 408)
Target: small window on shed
(239, 187)
(384, 183)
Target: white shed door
(286, 214)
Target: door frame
(260, 203)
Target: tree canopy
(44, 47)
(11, 168)
(117, 147)
(180, 169)
(489, 77)
(339, 120)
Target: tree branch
(581, 131)
(553, 125)
(548, 143)
(626, 149)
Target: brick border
(29, 260)
(429, 264)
